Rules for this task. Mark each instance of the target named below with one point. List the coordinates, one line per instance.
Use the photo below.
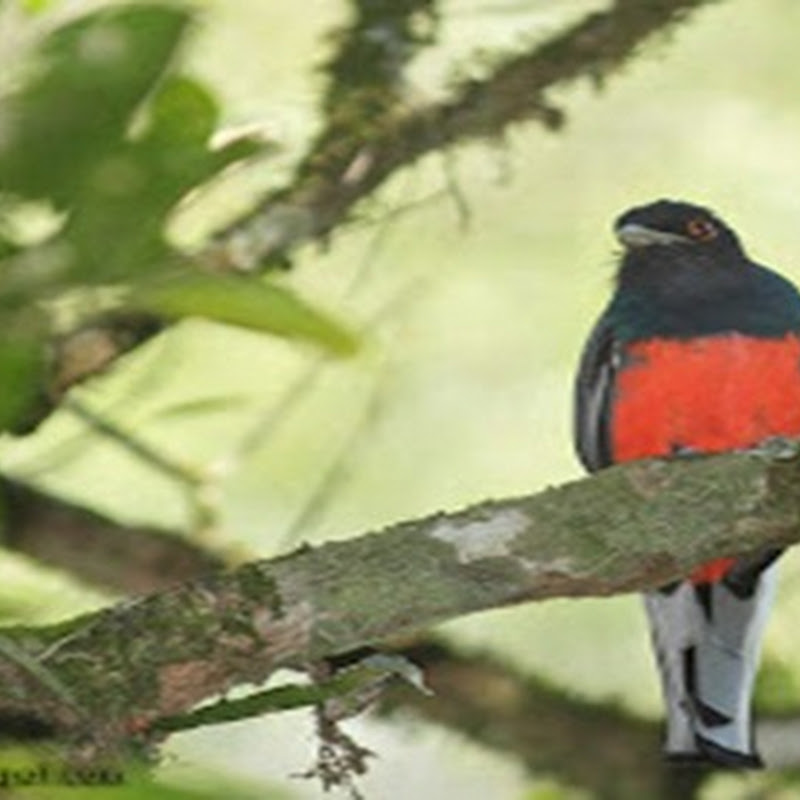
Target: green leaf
(249, 303)
(93, 74)
(343, 687)
(21, 375)
(183, 111)
(116, 229)
(104, 132)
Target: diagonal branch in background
(366, 71)
(627, 528)
(587, 744)
(369, 133)
(590, 744)
(357, 151)
(96, 549)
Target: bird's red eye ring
(701, 229)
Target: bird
(697, 352)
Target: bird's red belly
(707, 395)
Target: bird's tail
(707, 639)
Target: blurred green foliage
(777, 691)
(75, 111)
(258, 305)
(108, 136)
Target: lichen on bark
(627, 528)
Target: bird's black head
(678, 250)
(684, 273)
(669, 223)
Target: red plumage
(708, 395)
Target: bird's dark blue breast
(690, 302)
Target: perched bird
(698, 351)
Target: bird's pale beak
(633, 235)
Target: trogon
(697, 352)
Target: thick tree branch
(367, 141)
(625, 529)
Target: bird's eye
(701, 230)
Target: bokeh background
(475, 277)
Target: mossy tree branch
(626, 529)
(369, 132)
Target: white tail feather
(707, 642)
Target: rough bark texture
(626, 529)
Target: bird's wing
(593, 392)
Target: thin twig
(147, 453)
